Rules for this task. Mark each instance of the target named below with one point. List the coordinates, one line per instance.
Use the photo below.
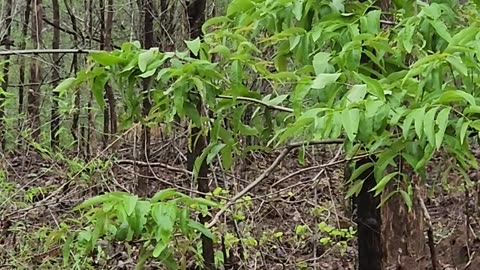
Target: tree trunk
(76, 134)
(196, 18)
(108, 88)
(33, 96)
(148, 40)
(6, 68)
(55, 116)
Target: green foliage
(162, 224)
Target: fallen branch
(259, 179)
(153, 164)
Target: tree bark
(33, 96)
(55, 116)
(145, 140)
(6, 68)
(196, 18)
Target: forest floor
(297, 218)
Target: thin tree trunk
(106, 118)
(76, 134)
(148, 40)
(35, 72)
(108, 88)
(90, 123)
(6, 68)
(196, 18)
(55, 116)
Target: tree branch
(45, 51)
(274, 107)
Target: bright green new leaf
(64, 86)
(324, 79)
(159, 248)
(239, 6)
(356, 93)
(429, 125)
(146, 58)
(350, 121)
(130, 203)
(93, 201)
(320, 62)
(463, 131)
(199, 227)
(163, 195)
(455, 96)
(373, 86)
(194, 46)
(458, 65)
(419, 117)
(214, 151)
(442, 122)
(107, 59)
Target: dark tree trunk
(196, 18)
(55, 117)
(108, 88)
(148, 40)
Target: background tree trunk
(35, 71)
(6, 40)
(55, 117)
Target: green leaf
(93, 201)
(358, 171)
(239, 6)
(429, 125)
(199, 227)
(441, 29)
(206, 202)
(98, 88)
(442, 122)
(130, 203)
(163, 195)
(325, 79)
(194, 46)
(350, 121)
(407, 123)
(386, 198)
(355, 188)
(379, 187)
(455, 96)
(373, 86)
(463, 131)
(107, 59)
(159, 248)
(320, 62)
(214, 151)
(408, 199)
(65, 85)
(457, 63)
(419, 115)
(356, 94)
(146, 58)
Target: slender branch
(45, 51)
(317, 142)
(153, 164)
(431, 241)
(259, 179)
(275, 107)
